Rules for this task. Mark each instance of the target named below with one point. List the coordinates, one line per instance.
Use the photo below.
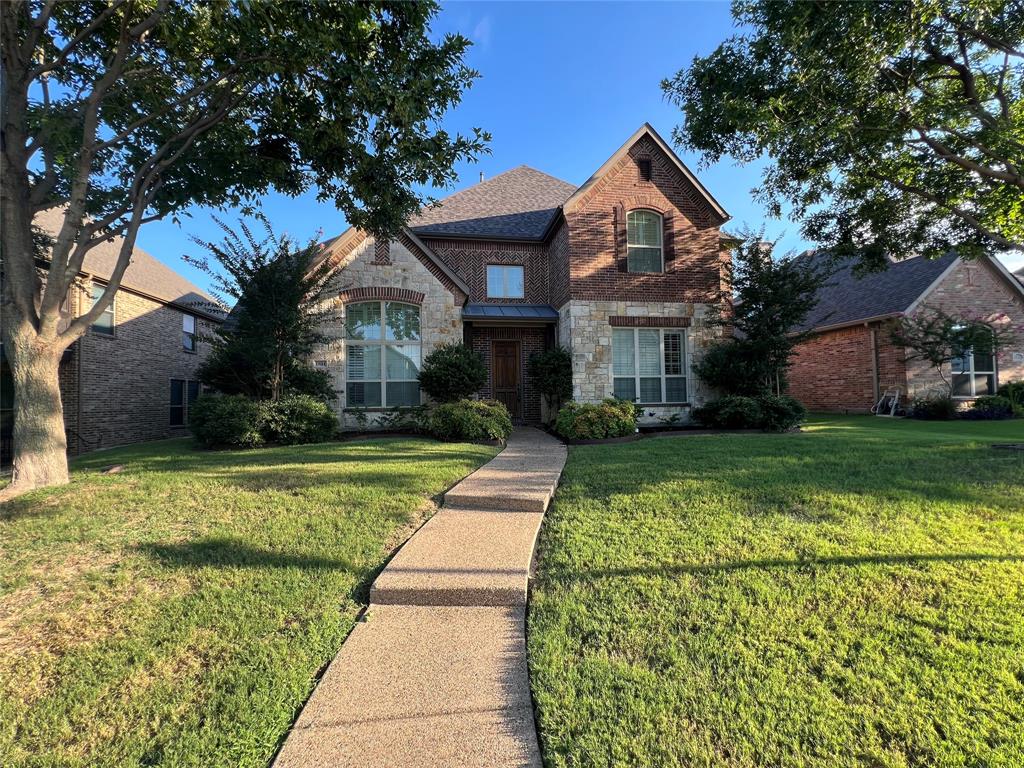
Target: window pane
(362, 321)
(961, 364)
(984, 384)
(188, 342)
(984, 362)
(643, 228)
(105, 322)
(650, 390)
(403, 322)
(650, 353)
(643, 259)
(360, 394)
(177, 392)
(403, 393)
(363, 361)
(961, 385)
(403, 361)
(505, 282)
(625, 389)
(177, 416)
(675, 389)
(622, 352)
(188, 323)
(193, 392)
(673, 354)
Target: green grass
(852, 595)
(177, 613)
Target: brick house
(132, 376)
(850, 359)
(621, 271)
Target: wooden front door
(505, 375)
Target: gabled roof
(647, 130)
(145, 274)
(846, 299)
(519, 204)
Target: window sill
(376, 409)
(663, 405)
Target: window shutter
(619, 223)
(668, 239)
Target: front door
(505, 375)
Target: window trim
(110, 310)
(661, 242)
(193, 335)
(487, 280)
(382, 344)
(970, 371)
(685, 375)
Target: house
(850, 358)
(132, 376)
(622, 271)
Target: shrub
(551, 372)
(470, 420)
(220, 421)
(990, 409)
(302, 379)
(1014, 392)
(590, 421)
(408, 418)
(730, 412)
(297, 419)
(452, 372)
(935, 408)
(780, 413)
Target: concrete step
(462, 558)
(426, 687)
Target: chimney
(481, 175)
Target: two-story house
(622, 271)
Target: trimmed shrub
(551, 373)
(297, 419)
(452, 372)
(937, 408)
(590, 421)
(1014, 392)
(730, 412)
(470, 420)
(780, 413)
(990, 408)
(221, 421)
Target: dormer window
(643, 242)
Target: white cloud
(481, 34)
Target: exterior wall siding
(469, 260)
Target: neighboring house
(132, 376)
(850, 359)
(621, 271)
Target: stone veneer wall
(440, 313)
(585, 329)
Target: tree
(551, 372)
(938, 339)
(893, 127)
(452, 372)
(769, 298)
(125, 111)
(277, 287)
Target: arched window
(974, 374)
(382, 340)
(643, 242)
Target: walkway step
(426, 687)
(462, 557)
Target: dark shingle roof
(533, 312)
(846, 298)
(518, 204)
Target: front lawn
(177, 613)
(849, 596)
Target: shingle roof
(145, 274)
(846, 298)
(517, 204)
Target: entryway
(506, 376)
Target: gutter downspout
(875, 384)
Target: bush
(551, 373)
(780, 413)
(470, 420)
(590, 421)
(991, 409)
(302, 379)
(452, 372)
(297, 419)
(936, 408)
(734, 367)
(220, 421)
(1014, 392)
(730, 412)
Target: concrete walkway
(435, 675)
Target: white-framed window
(643, 242)
(974, 374)
(104, 323)
(188, 333)
(649, 365)
(382, 340)
(505, 281)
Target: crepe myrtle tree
(891, 127)
(126, 111)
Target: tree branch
(943, 151)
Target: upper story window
(382, 340)
(643, 242)
(505, 282)
(974, 374)
(188, 333)
(104, 323)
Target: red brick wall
(469, 260)
(694, 275)
(532, 341)
(558, 250)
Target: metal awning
(510, 313)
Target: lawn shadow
(223, 552)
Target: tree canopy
(892, 127)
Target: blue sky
(562, 86)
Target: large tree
(890, 126)
(125, 111)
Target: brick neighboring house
(850, 359)
(132, 375)
(621, 271)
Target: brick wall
(558, 250)
(469, 260)
(531, 341)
